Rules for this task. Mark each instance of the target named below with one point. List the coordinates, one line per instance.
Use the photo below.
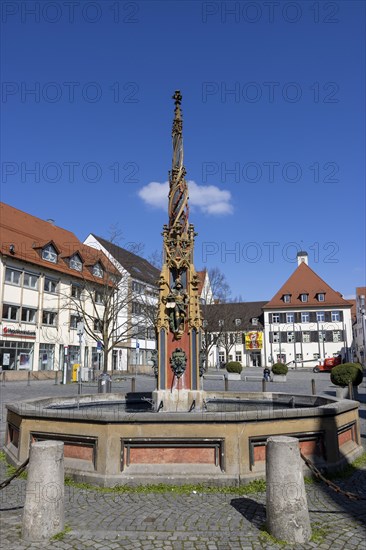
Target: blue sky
(274, 128)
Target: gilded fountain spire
(178, 234)
(178, 190)
(178, 363)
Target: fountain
(179, 433)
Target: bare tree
(210, 338)
(226, 341)
(237, 299)
(112, 312)
(156, 258)
(115, 236)
(219, 285)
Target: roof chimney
(302, 258)
(51, 221)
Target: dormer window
(255, 321)
(287, 298)
(321, 296)
(304, 297)
(237, 322)
(97, 270)
(49, 254)
(76, 263)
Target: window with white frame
(255, 321)
(290, 337)
(305, 317)
(238, 338)
(298, 357)
(28, 315)
(287, 298)
(276, 337)
(275, 318)
(290, 317)
(10, 312)
(221, 322)
(50, 285)
(320, 316)
(75, 291)
(137, 308)
(74, 319)
(30, 280)
(337, 336)
(316, 356)
(12, 276)
(138, 287)
(98, 325)
(321, 335)
(76, 263)
(336, 316)
(304, 297)
(321, 296)
(49, 318)
(237, 322)
(238, 356)
(49, 254)
(98, 297)
(97, 270)
(221, 356)
(139, 331)
(306, 337)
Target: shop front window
(46, 356)
(16, 355)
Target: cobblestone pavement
(194, 521)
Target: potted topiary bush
(342, 375)
(279, 372)
(234, 369)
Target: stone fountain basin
(123, 445)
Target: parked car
(328, 364)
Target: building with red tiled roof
(140, 278)
(43, 269)
(307, 321)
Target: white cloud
(209, 199)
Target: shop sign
(7, 331)
(253, 340)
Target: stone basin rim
(38, 408)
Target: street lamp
(237, 324)
(80, 333)
(363, 323)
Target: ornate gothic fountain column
(179, 319)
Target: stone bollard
(43, 515)
(287, 508)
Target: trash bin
(104, 383)
(75, 372)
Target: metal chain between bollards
(17, 473)
(331, 485)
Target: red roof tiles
(305, 281)
(30, 235)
